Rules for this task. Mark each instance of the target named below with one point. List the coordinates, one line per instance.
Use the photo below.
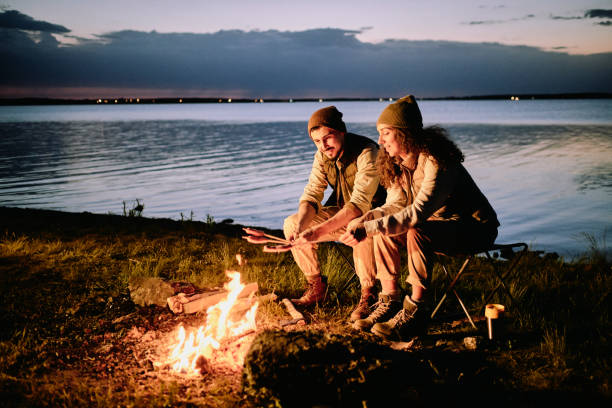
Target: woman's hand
(353, 236)
(353, 224)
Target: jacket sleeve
(436, 187)
(317, 183)
(396, 201)
(366, 180)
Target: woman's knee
(414, 237)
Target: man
(347, 163)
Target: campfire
(220, 340)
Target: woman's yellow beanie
(403, 113)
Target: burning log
(192, 352)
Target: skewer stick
(287, 247)
(277, 239)
(259, 233)
(254, 239)
(272, 237)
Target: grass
(64, 281)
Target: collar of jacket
(410, 162)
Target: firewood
(297, 316)
(201, 301)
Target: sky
(277, 49)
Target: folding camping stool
(506, 251)
(353, 276)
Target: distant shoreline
(132, 100)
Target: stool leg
(443, 296)
(451, 288)
(353, 276)
(464, 309)
(500, 278)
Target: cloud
(17, 20)
(328, 62)
(592, 13)
(598, 13)
(499, 6)
(482, 22)
(566, 18)
(487, 22)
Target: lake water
(545, 165)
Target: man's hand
(293, 235)
(353, 236)
(305, 214)
(309, 235)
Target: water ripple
(547, 182)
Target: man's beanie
(330, 117)
(403, 113)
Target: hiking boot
(317, 288)
(408, 322)
(365, 302)
(386, 307)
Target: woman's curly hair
(432, 140)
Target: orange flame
(219, 326)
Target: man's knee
(289, 224)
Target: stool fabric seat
(506, 251)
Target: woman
(433, 205)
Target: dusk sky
(266, 48)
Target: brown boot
(365, 303)
(317, 288)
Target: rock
(288, 366)
(150, 291)
(308, 368)
(471, 343)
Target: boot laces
(402, 317)
(380, 309)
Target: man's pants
(423, 241)
(306, 255)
